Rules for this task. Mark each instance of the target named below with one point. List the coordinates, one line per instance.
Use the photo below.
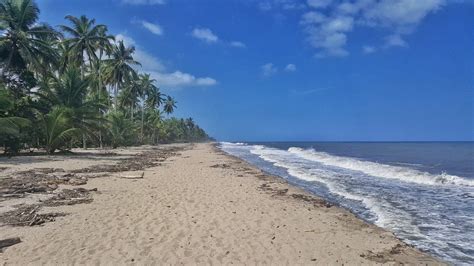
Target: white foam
(380, 170)
(313, 166)
(277, 158)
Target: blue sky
(368, 70)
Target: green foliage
(58, 128)
(10, 126)
(58, 89)
(25, 43)
(181, 130)
(122, 130)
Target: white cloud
(395, 40)
(400, 13)
(126, 40)
(319, 3)
(268, 70)
(237, 44)
(312, 17)
(328, 32)
(144, 2)
(204, 34)
(152, 27)
(290, 68)
(368, 49)
(148, 61)
(268, 5)
(179, 79)
(164, 78)
(329, 35)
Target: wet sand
(199, 206)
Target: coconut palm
(70, 90)
(121, 129)
(84, 39)
(154, 98)
(129, 95)
(169, 105)
(58, 128)
(9, 125)
(147, 88)
(24, 43)
(119, 68)
(103, 45)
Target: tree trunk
(116, 88)
(143, 116)
(101, 145)
(99, 89)
(84, 142)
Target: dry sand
(199, 207)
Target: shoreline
(202, 205)
(306, 196)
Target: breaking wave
(381, 170)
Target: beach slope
(203, 206)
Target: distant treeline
(75, 85)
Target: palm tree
(24, 42)
(147, 88)
(119, 68)
(170, 105)
(69, 90)
(103, 45)
(128, 96)
(9, 125)
(121, 128)
(84, 39)
(58, 128)
(154, 98)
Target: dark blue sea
(421, 191)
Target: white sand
(187, 212)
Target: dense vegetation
(76, 86)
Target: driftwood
(9, 242)
(27, 216)
(133, 177)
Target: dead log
(9, 242)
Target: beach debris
(34, 181)
(47, 180)
(27, 215)
(133, 176)
(4, 243)
(385, 255)
(275, 191)
(77, 181)
(70, 197)
(221, 165)
(137, 162)
(317, 202)
(263, 177)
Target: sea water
(421, 191)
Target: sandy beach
(197, 205)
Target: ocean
(421, 191)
